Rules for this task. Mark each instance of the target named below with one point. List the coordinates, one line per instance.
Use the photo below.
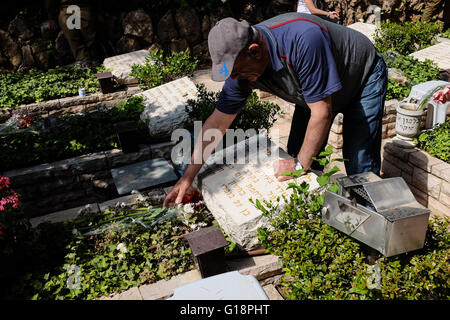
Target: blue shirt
(306, 47)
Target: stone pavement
(439, 53)
(265, 268)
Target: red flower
(191, 197)
(4, 182)
(26, 121)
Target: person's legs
(363, 125)
(431, 8)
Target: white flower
(120, 256)
(75, 232)
(188, 208)
(310, 216)
(122, 247)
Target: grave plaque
(165, 106)
(121, 65)
(227, 187)
(439, 53)
(142, 175)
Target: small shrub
(256, 114)
(405, 38)
(436, 141)
(159, 69)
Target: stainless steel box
(382, 213)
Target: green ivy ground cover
(99, 254)
(436, 141)
(71, 136)
(36, 85)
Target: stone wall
(24, 45)
(76, 181)
(427, 177)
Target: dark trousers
(361, 130)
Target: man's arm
(217, 120)
(316, 131)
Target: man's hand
(177, 193)
(281, 166)
(334, 15)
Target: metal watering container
(382, 213)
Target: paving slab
(272, 292)
(165, 106)
(143, 175)
(439, 53)
(121, 65)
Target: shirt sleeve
(315, 65)
(233, 96)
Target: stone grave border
(69, 104)
(76, 181)
(427, 177)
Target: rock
(19, 28)
(178, 45)
(11, 49)
(167, 30)
(226, 188)
(201, 50)
(189, 25)
(128, 44)
(27, 56)
(165, 106)
(206, 26)
(39, 49)
(154, 47)
(139, 24)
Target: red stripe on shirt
(298, 19)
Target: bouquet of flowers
(442, 96)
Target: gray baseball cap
(225, 40)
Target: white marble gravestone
(121, 65)
(366, 29)
(439, 53)
(226, 189)
(165, 106)
(142, 175)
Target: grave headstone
(439, 53)
(165, 106)
(142, 175)
(366, 29)
(121, 65)
(227, 187)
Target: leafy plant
(35, 86)
(405, 38)
(159, 69)
(256, 114)
(446, 34)
(436, 141)
(72, 136)
(319, 262)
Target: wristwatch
(298, 165)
